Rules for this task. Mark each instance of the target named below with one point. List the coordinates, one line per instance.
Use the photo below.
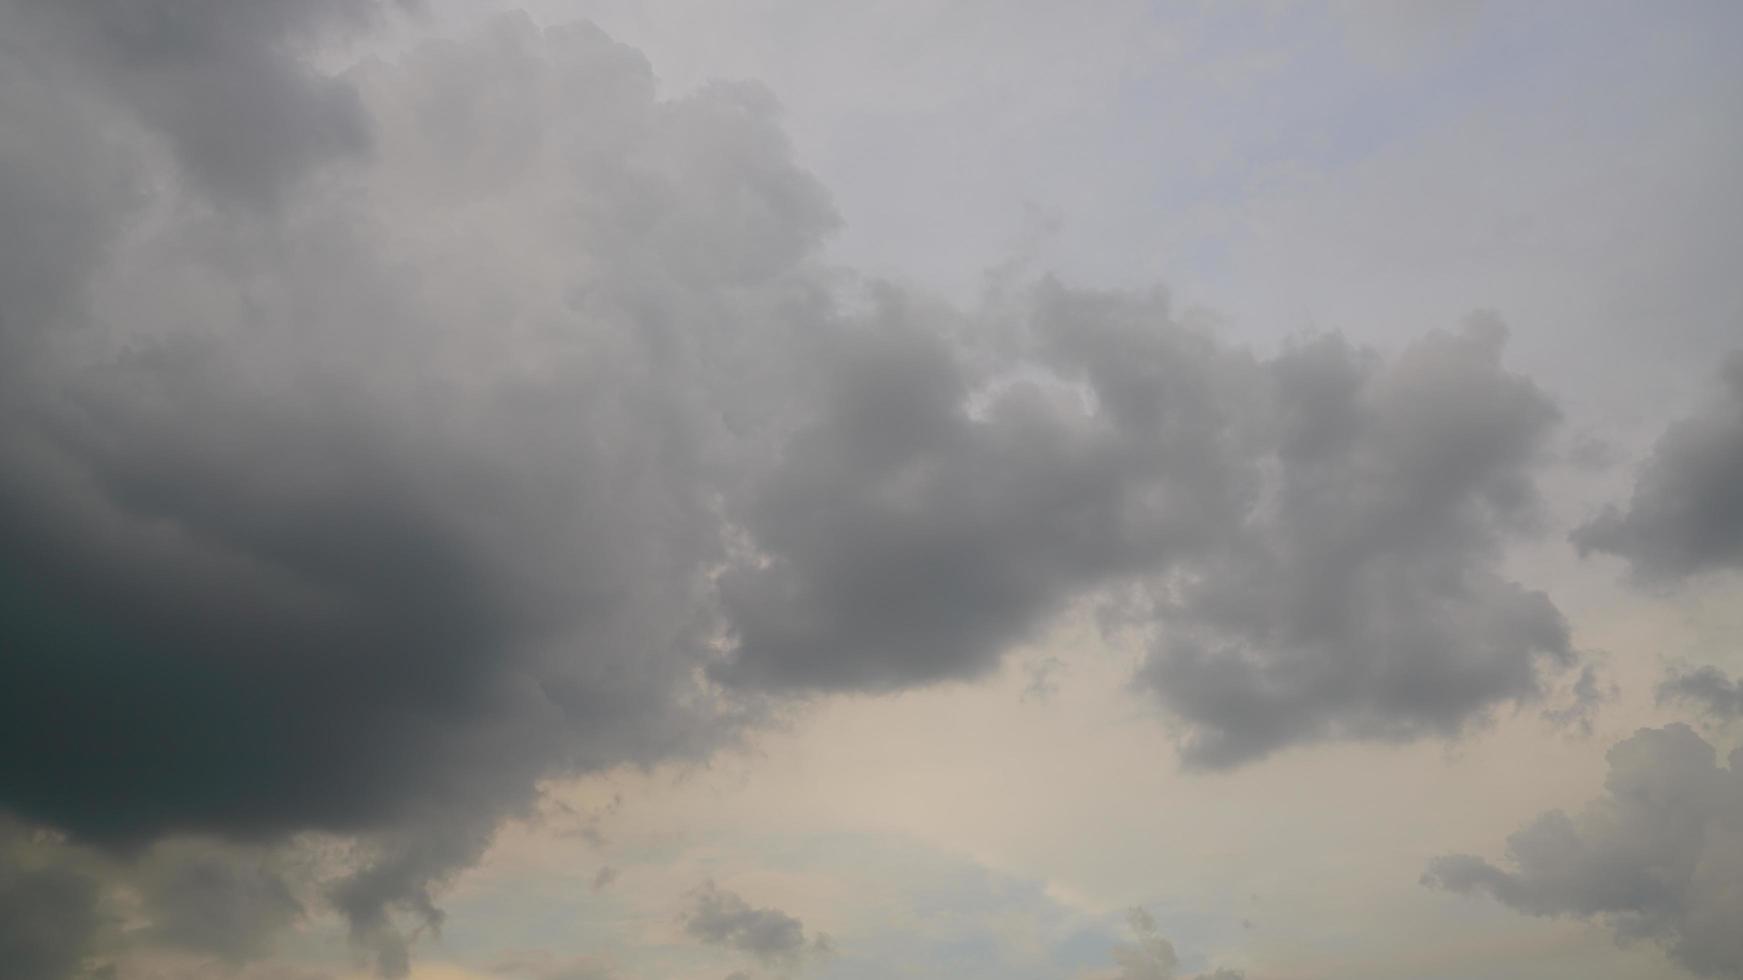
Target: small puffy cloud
(1686, 514)
(772, 937)
(1658, 856)
(1706, 689)
(1149, 956)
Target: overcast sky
(935, 489)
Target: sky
(777, 490)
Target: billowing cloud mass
(375, 445)
(1315, 534)
(1360, 594)
(772, 937)
(337, 519)
(1658, 856)
(222, 81)
(1686, 515)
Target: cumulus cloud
(1360, 595)
(772, 937)
(1658, 856)
(375, 445)
(1685, 515)
(336, 521)
(1706, 689)
(1317, 534)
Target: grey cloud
(903, 541)
(723, 918)
(1580, 700)
(228, 83)
(74, 910)
(186, 968)
(297, 541)
(211, 901)
(1657, 856)
(48, 920)
(65, 193)
(536, 440)
(1149, 956)
(1319, 533)
(1706, 688)
(54, 923)
(1686, 514)
(1361, 597)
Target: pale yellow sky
(1319, 848)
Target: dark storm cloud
(722, 918)
(79, 909)
(1686, 514)
(1707, 689)
(533, 440)
(336, 522)
(1658, 856)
